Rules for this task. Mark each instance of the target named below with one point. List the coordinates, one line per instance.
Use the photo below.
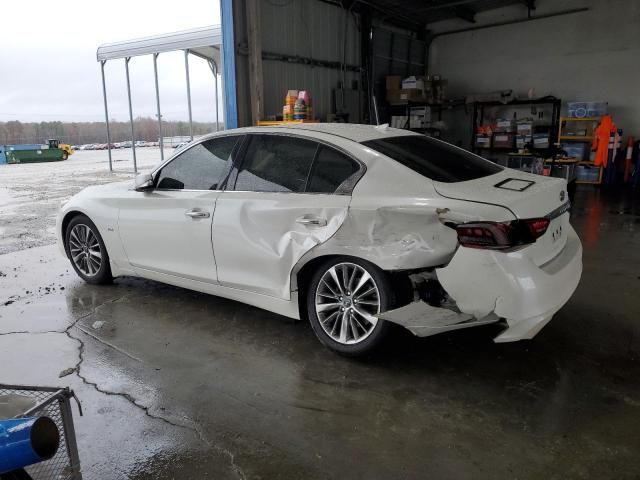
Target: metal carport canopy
(204, 42)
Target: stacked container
(297, 106)
(289, 105)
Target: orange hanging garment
(600, 143)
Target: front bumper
(512, 287)
(59, 237)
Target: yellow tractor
(66, 150)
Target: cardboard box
(398, 121)
(420, 117)
(541, 140)
(483, 141)
(503, 140)
(405, 96)
(413, 82)
(522, 140)
(525, 128)
(394, 82)
(505, 125)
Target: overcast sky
(48, 67)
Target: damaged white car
(354, 227)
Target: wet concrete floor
(178, 384)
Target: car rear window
(434, 159)
(330, 169)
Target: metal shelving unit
(479, 115)
(404, 109)
(588, 124)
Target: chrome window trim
(185, 150)
(350, 181)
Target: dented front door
(259, 236)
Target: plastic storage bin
(523, 140)
(483, 141)
(586, 109)
(596, 109)
(574, 151)
(589, 174)
(503, 140)
(540, 140)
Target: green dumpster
(36, 155)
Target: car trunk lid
(526, 196)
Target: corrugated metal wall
(309, 29)
(396, 53)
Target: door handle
(314, 221)
(196, 213)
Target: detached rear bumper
(511, 286)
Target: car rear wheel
(87, 251)
(344, 296)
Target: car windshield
(434, 159)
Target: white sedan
(354, 227)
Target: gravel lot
(31, 194)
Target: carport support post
(186, 69)
(106, 113)
(133, 133)
(214, 69)
(155, 74)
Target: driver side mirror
(144, 182)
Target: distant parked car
(181, 144)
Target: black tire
(385, 296)
(102, 274)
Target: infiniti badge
(562, 195)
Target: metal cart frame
(55, 403)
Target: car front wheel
(343, 300)
(87, 251)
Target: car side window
(330, 169)
(275, 163)
(201, 167)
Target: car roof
(351, 131)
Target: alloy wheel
(346, 301)
(85, 250)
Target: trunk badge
(562, 195)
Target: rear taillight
(501, 235)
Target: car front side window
(201, 167)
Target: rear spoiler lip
(562, 209)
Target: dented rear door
(259, 236)
(266, 221)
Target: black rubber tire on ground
(382, 328)
(103, 276)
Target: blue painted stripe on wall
(229, 65)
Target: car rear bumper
(512, 287)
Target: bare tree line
(77, 133)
